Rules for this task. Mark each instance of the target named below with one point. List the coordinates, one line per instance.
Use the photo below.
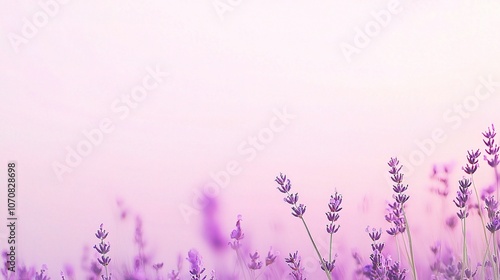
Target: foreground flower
(396, 209)
(285, 186)
(397, 214)
(237, 235)
(103, 249)
(491, 148)
(462, 198)
(293, 262)
(472, 159)
(332, 228)
(382, 267)
(255, 262)
(196, 270)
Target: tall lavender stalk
(492, 150)
(470, 168)
(103, 249)
(332, 228)
(397, 215)
(298, 211)
(461, 202)
(197, 269)
(293, 262)
(237, 235)
(493, 226)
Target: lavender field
(232, 139)
(449, 261)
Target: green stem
(414, 271)
(495, 264)
(399, 249)
(242, 263)
(406, 249)
(480, 211)
(331, 244)
(316, 249)
(464, 248)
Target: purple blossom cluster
(491, 147)
(255, 263)
(293, 262)
(285, 187)
(103, 250)
(396, 209)
(381, 267)
(197, 269)
(462, 199)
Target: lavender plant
(462, 203)
(382, 267)
(446, 263)
(103, 249)
(397, 215)
(332, 228)
(197, 269)
(298, 211)
(293, 262)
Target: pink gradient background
(226, 78)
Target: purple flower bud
(101, 234)
(255, 263)
(299, 211)
(270, 258)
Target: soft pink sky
(226, 79)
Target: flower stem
(414, 271)
(316, 249)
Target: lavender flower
(237, 235)
(492, 148)
(394, 272)
(333, 214)
(173, 275)
(328, 265)
(493, 214)
(463, 195)
(103, 249)
(396, 214)
(157, 267)
(293, 262)
(285, 186)
(197, 270)
(472, 164)
(41, 275)
(141, 259)
(255, 263)
(381, 267)
(270, 258)
(375, 236)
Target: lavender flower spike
(463, 195)
(492, 148)
(103, 249)
(472, 164)
(293, 262)
(255, 263)
(237, 235)
(197, 270)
